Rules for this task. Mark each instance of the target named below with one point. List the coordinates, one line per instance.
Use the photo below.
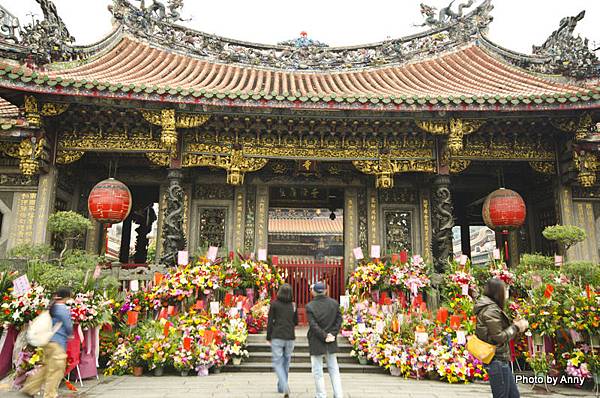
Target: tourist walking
(494, 327)
(324, 323)
(283, 319)
(49, 376)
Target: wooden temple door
(302, 273)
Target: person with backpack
(283, 319)
(324, 323)
(49, 376)
(495, 328)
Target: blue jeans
(281, 354)
(502, 380)
(316, 362)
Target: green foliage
(526, 279)
(582, 273)
(80, 259)
(565, 235)
(55, 276)
(533, 261)
(68, 224)
(481, 274)
(151, 256)
(30, 252)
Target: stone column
(373, 219)
(262, 218)
(442, 222)
(350, 228)
(44, 205)
(173, 235)
(239, 219)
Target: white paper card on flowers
(361, 327)
(233, 312)
(134, 285)
(463, 259)
(182, 257)
(345, 302)
(375, 251)
(262, 254)
(558, 260)
(358, 254)
(379, 326)
(21, 285)
(465, 290)
(214, 307)
(421, 338)
(212, 253)
(460, 337)
(496, 254)
(97, 272)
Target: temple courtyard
(263, 385)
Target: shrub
(30, 252)
(535, 261)
(582, 273)
(68, 226)
(565, 235)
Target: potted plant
(204, 360)
(68, 227)
(137, 362)
(184, 361)
(564, 235)
(540, 363)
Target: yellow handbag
(480, 349)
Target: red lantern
(504, 210)
(109, 201)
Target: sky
(517, 25)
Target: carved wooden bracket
(29, 152)
(455, 129)
(579, 126)
(170, 122)
(34, 115)
(587, 165)
(385, 168)
(235, 163)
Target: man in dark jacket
(324, 323)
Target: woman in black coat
(283, 319)
(494, 327)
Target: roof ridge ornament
(568, 54)
(157, 25)
(445, 16)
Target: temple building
(299, 148)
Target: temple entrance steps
(260, 356)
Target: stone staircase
(260, 357)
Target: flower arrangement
(20, 309)
(577, 364)
(157, 352)
(89, 310)
(184, 360)
(366, 277)
(119, 363)
(501, 272)
(260, 275)
(258, 317)
(411, 276)
(455, 364)
(540, 362)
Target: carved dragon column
(443, 221)
(172, 228)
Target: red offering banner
(158, 277)
(548, 291)
(171, 310)
(199, 305)
(455, 321)
(132, 318)
(166, 328)
(442, 315)
(403, 256)
(163, 314)
(187, 343)
(228, 300)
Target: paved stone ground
(263, 385)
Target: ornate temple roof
(300, 226)
(450, 66)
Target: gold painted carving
(455, 129)
(581, 126)
(169, 121)
(587, 164)
(235, 163)
(459, 165)
(385, 167)
(53, 109)
(543, 167)
(68, 157)
(32, 113)
(159, 158)
(505, 148)
(29, 152)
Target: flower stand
(185, 373)
(544, 376)
(362, 360)
(237, 361)
(216, 370)
(138, 371)
(395, 371)
(597, 384)
(159, 371)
